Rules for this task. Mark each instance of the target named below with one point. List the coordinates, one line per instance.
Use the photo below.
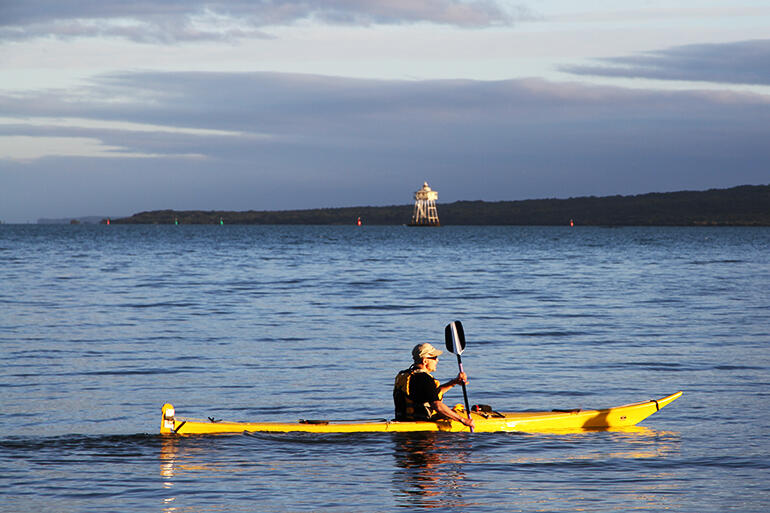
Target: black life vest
(406, 409)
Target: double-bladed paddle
(454, 337)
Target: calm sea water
(101, 325)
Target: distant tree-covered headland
(747, 205)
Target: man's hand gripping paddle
(455, 343)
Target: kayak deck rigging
(486, 421)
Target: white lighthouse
(425, 213)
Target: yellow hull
(529, 422)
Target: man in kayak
(417, 394)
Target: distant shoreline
(746, 205)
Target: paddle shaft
(465, 392)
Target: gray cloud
(294, 141)
(169, 21)
(743, 62)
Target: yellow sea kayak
(486, 421)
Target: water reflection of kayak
(487, 420)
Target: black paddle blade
(454, 337)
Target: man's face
(431, 363)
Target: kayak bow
(528, 422)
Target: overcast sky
(111, 108)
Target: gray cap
(425, 350)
